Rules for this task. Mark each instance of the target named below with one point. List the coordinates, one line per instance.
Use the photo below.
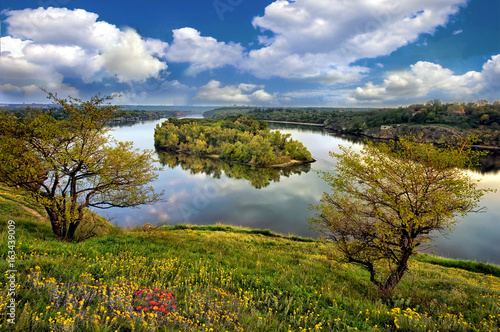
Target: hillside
(218, 278)
(480, 118)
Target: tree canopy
(388, 199)
(73, 164)
(240, 139)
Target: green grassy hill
(220, 278)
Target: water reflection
(258, 177)
(206, 195)
(490, 164)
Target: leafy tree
(388, 199)
(71, 165)
(239, 138)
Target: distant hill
(194, 109)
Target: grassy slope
(224, 278)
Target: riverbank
(297, 123)
(430, 133)
(226, 278)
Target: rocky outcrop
(335, 126)
(430, 134)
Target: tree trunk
(62, 230)
(54, 222)
(71, 230)
(386, 289)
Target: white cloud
(45, 46)
(157, 92)
(319, 39)
(19, 75)
(232, 94)
(457, 32)
(203, 53)
(61, 26)
(156, 47)
(13, 47)
(130, 60)
(426, 77)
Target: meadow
(222, 278)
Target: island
(239, 139)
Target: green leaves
(389, 198)
(241, 139)
(73, 164)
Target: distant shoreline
(476, 146)
(297, 123)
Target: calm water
(206, 192)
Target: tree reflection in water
(259, 177)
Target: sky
(330, 53)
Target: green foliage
(241, 139)
(478, 267)
(120, 116)
(480, 118)
(73, 164)
(387, 199)
(304, 115)
(229, 279)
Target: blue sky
(252, 52)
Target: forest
(305, 114)
(480, 117)
(241, 139)
(121, 115)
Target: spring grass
(224, 278)
(479, 267)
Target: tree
(388, 199)
(72, 165)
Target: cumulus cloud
(425, 77)
(47, 45)
(130, 59)
(203, 53)
(21, 77)
(158, 92)
(213, 91)
(61, 26)
(319, 39)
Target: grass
(467, 265)
(222, 278)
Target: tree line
(297, 114)
(480, 118)
(120, 115)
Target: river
(201, 193)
